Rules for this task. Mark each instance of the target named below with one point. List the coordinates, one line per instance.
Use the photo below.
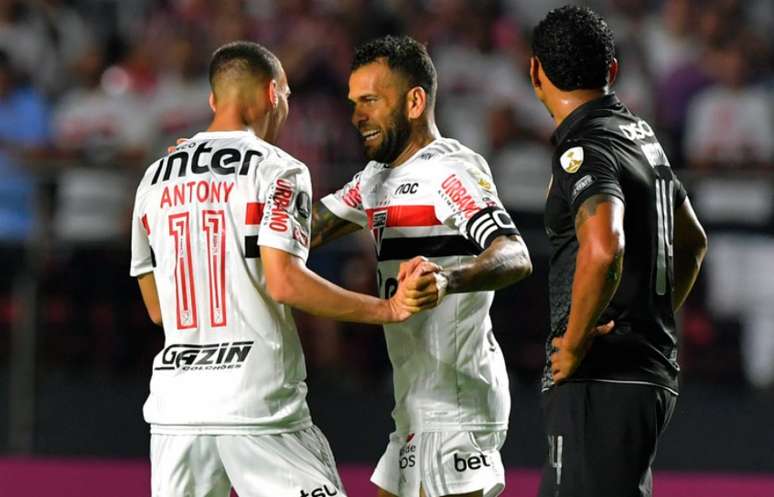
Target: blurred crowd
(91, 91)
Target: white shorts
(444, 463)
(295, 464)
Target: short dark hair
(403, 54)
(575, 46)
(243, 57)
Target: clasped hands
(418, 285)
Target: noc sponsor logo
(283, 192)
(208, 357)
(462, 464)
(406, 189)
(456, 192)
(319, 492)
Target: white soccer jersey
(232, 361)
(448, 370)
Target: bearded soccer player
(219, 243)
(425, 195)
(607, 404)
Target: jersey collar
(579, 114)
(221, 134)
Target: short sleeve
(286, 220)
(466, 200)
(584, 170)
(347, 203)
(142, 260)
(680, 192)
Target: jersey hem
(487, 427)
(626, 382)
(163, 429)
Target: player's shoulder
(147, 177)
(277, 158)
(450, 154)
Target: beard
(396, 136)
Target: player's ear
(534, 72)
(416, 102)
(273, 96)
(211, 100)
(612, 72)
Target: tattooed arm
(327, 226)
(598, 266)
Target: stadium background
(92, 90)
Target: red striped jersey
(232, 360)
(448, 370)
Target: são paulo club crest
(378, 223)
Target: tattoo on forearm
(616, 268)
(326, 226)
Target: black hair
(241, 58)
(575, 46)
(403, 54)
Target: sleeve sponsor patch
(454, 190)
(581, 185)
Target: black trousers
(602, 438)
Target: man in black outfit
(607, 404)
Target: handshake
(421, 286)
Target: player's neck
(420, 137)
(230, 119)
(565, 102)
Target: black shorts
(602, 438)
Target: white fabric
(442, 463)
(282, 465)
(448, 370)
(232, 361)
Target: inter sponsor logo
(213, 356)
(224, 161)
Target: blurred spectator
(65, 35)
(180, 99)
(105, 127)
(22, 37)
(729, 125)
(739, 269)
(520, 162)
(24, 125)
